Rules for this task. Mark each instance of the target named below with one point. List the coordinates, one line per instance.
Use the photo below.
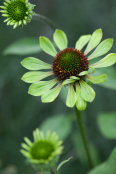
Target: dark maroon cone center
(69, 62)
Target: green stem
(84, 137)
(52, 172)
(45, 19)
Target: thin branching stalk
(45, 19)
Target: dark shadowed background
(21, 113)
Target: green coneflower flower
(18, 12)
(44, 152)
(70, 66)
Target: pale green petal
(59, 143)
(3, 11)
(54, 137)
(75, 78)
(91, 68)
(108, 60)
(71, 97)
(5, 15)
(35, 136)
(25, 153)
(15, 25)
(8, 1)
(32, 63)
(51, 95)
(87, 93)
(102, 48)
(35, 161)
(80, 103)
(39, 88)
(25, 146)
(37, 133)
(42, 136)
(83, 40)
(3, 7)
(83, 73)
(47, 46)
(34, 76)
(96, 79)
(60, 39)
(68, 81)
(6, 4)
(28, 141)
(8, 19)
(94, 41)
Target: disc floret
(18, 12)
(44, 152)
(69, 62)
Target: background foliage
(21, 113)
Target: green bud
(19, 12)
(44, 152)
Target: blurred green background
(21, 113)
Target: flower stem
(84, 136)
(52, 172)
(45, 19)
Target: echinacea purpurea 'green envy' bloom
(18, 12)
(70, 66)
(44, 152)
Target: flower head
(71, 67)
(44, 152)
(18, 12)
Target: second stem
(84, 137)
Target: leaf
(59, 123)
(78, 144)
(107, 124)
(63, 162)
(108, 167)
(23, 46)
